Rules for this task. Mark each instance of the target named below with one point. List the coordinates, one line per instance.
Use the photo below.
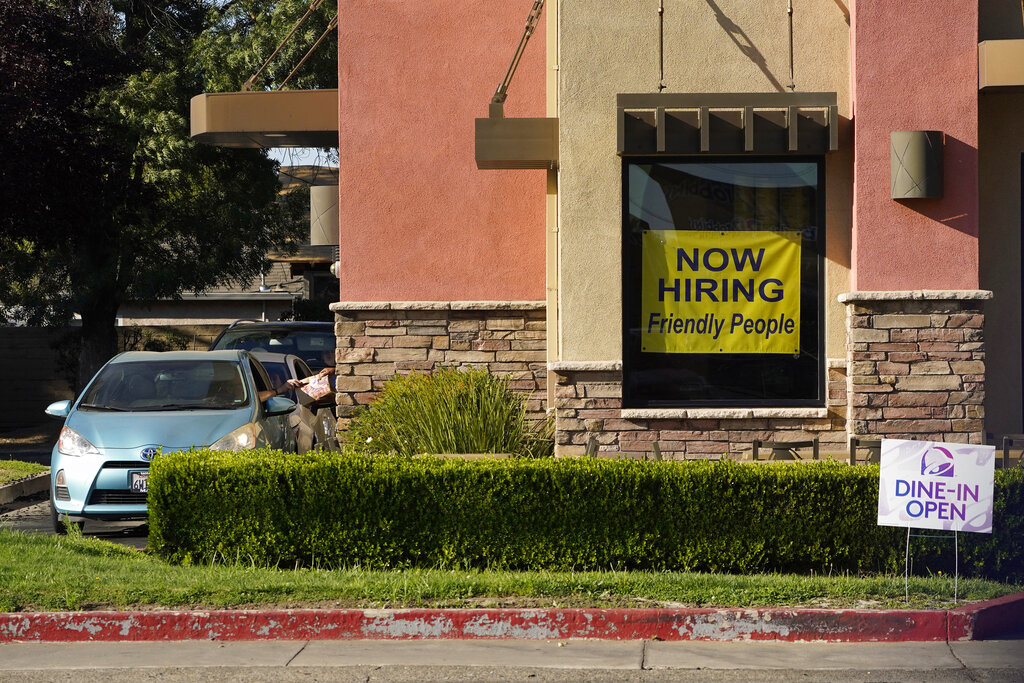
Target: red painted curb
(988, 620)
(983, 620)
(611, 624)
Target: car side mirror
(59, 409)
(279, 405)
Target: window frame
(631, 284)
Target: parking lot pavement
(36, 518)
(30, 443)
(37, 457)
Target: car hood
(170, 430)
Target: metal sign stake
(956, 564)
(906, 569)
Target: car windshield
(167, 385)
(316, 348)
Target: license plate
(139, 481)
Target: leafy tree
(106, 199)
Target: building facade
(757, 221)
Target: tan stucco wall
(1001, 144)
(606, 47)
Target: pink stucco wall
(417, 220)
(915, 68)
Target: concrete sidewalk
(949, 658)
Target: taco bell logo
(937, 462)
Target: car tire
(59, 527)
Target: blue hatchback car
(143, 403)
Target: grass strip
(13, 470)
(42, 573)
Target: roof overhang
(281, 118)
(1000, 64)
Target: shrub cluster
(449, 411)
(350, 509)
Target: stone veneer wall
(917, 365)
(588, 405)
(378, 340)
(915, 369)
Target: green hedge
(333, 509)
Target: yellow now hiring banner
(720, 292)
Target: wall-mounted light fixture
(915, 163)
(323, 215)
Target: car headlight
(71, 442)
(241, 439)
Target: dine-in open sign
(935, 485)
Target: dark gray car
(313, 342)
(313, 420)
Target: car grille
(126, 465)
(62, 493)
(116, 497)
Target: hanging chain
(789, 11)
(330, 27)
(313, 5)
(531, 25)
(661, 45)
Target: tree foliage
(106, 198)
(243, 34)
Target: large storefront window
(722, 282)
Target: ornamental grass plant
(450, 411)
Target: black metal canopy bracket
(727, 123)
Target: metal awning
(281, 118)
(727, 123)
(516, 143)
(1001, 64)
